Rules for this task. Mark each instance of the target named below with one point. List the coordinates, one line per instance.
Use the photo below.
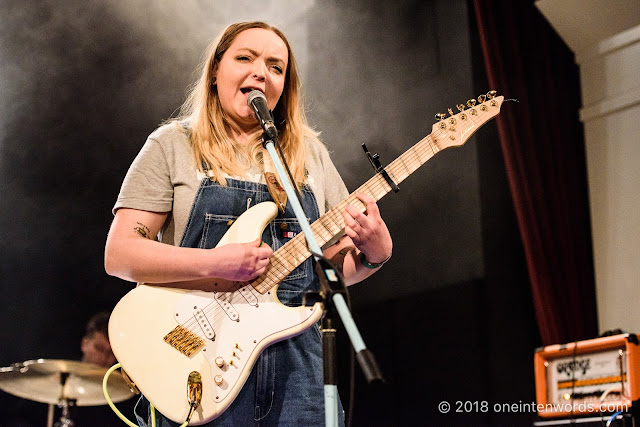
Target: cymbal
(42, 380)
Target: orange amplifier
(601, 375)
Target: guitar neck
(452, 132)
(331, 224)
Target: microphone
(258, 103)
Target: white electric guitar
(160, 335)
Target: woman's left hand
(368, 230)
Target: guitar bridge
(183, 340)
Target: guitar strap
(273, 183)
(271, 177)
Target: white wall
(605, 36)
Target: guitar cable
(110, 402)
(117, 411)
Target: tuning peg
(440, 116)
(482, 98)
(491, 94)
(460, 107)
(471, 103)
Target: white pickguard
(238, 341)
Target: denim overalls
(285, 387)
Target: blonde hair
(213, 147)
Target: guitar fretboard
(452, 132)
(331, 224)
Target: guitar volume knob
(218, 379)
(219, 362)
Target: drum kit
(62, 383)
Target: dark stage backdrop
(83, 83)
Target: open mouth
(246, 90)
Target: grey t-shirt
(163, 178)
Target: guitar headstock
(456, 129)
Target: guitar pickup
(247, 293)
(223, 299)
(206, 327)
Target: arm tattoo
(338, 258)
(143, 230)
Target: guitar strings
(412, 159)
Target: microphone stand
(331, 296)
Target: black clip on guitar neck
(375, 163)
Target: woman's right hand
(242, 261)
(133, 254)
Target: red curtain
(543, 146)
